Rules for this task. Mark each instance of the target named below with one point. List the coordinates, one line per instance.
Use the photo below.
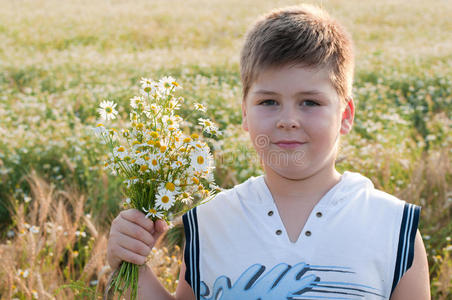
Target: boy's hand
(132, 237)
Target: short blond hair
(298, 35)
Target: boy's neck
(309, 190)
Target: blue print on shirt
(285, 282)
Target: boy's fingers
(134, 245)
(160, 228)
(129, 256)
(137, 232)
(137, 217)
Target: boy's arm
(415, 283)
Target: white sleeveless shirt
(356, 244)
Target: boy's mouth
(288, 144)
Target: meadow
(60, 59)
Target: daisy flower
(168, 82)
(147, 85)
(164, 199)
(201, 160)
(154, 162)
(170, 187)
(135, 102)
(152, 212)
(200, 107)
(120, 152)
(107, 110)
(23, 273)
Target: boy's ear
(347, 116)
(244, 116)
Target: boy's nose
(288, 120)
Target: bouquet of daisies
(164, 167)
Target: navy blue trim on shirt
(191, 251)
(405, 252)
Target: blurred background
(60, 59)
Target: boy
(303, 230)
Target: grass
(59, 60)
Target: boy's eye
(310, 103)
(267, 102)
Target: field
(60, 59)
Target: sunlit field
(59, 60)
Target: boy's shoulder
(228, 198)
(363, 190)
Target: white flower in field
(23, 273)
(179, 163)
(199, 145)
(34, 293)
(170, 122)
(170, 187)
(174, 104)
(187, 198)
(120, 152)
(80, 233)
(200, 107)
(154, 162)
(164, 199)
(34, 229)
(201, 160)
(168, 82)
(107, 110)
(136, 101)
(100, 132)
(212, 130)
(27, 199)
(131, 181)
(208, 126)
(147, 85)
(152, 212)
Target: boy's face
(295, 104)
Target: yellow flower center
(108, 109)
(143, 168)
(154, 162)
(195, 180)
(200, 160)
(162, 148)
(146, 157)
(170, 186)
(194, 136)
(154, 134)
(100, 125)
(140, 126)
(121, 149)
(187, 140)
(165, 199)
(152, 211)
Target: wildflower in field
(80, 233)
(200, 107)
(164, 199)
(34, 293)
(208, 126)
(200, 160)
(34, 229)
(107, 110)
(22, 273)
(152, 212)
